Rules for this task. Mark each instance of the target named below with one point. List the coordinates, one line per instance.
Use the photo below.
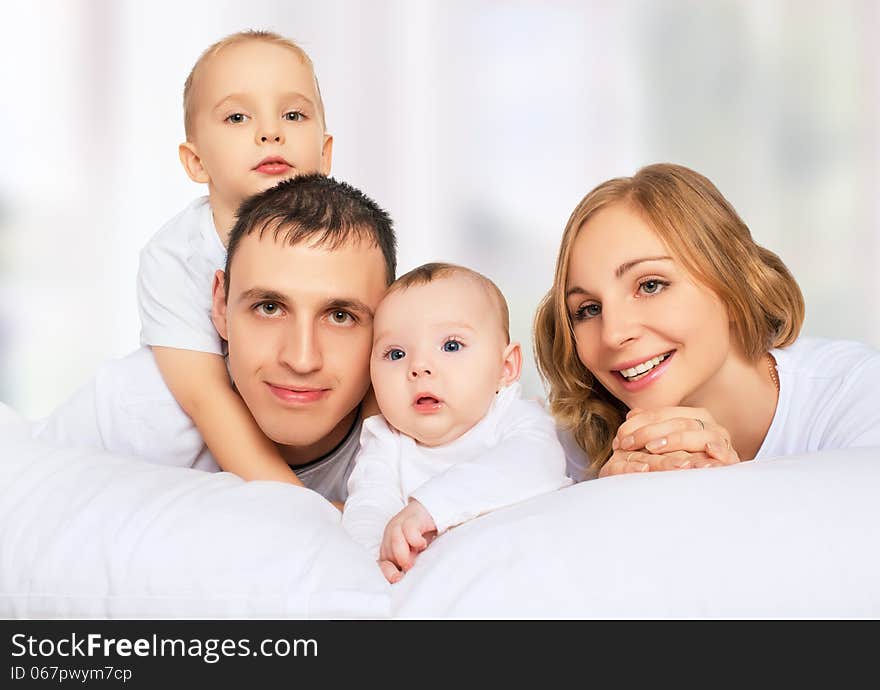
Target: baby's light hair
(428, 273)
(232, 39)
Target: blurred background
(479, 125)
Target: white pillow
(84, 534)
(786, 538)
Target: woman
(670, 339)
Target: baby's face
(438, 358)
(256, 120)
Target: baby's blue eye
(294, 116)
(237, 118)
(451, 346)
(395, 354)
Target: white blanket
(90, 535)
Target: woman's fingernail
(627, 443)
(642, 467)
(684, 464)
(655, 444)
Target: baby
(253, 117)
(455, 439)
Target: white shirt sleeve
(855, 408)
(175, 276)
(526, 461)
(374, 493)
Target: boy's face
(439, 356)
(299, 322)
(256, 121)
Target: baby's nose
(415, 372)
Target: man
(308, 262)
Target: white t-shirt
(175, 276)
(511, 455)
(829, 397)
(127, 409)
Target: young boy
(455, 439)
(253, 117)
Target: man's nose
(301, 350)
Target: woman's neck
(742, 398)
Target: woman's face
(644, 328)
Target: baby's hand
(390, 571)
(406, 534)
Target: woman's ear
(192, 163)
(218, 306)
(511, 365)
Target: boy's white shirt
(175, 276)
(127, 409)
(511, 455)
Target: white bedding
(90, 535)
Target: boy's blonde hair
(232, 39)
(703, 231)
(428, 273)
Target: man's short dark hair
(318, 209)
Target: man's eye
(394, 354)
(451, 346)
(269, 308)
(237, 118)
(341, 317)
(294, 116)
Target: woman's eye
(294, 116)
(340, 317)
(395, 354)
(653, 286)
(588, 311)
(451, 346)
(237, 118)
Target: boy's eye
(451, 346)
(294, 116)
(395, 353)
(237, 118)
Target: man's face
(299, 323)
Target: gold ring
(702, 426)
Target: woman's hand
(669, 438)
(628, 461)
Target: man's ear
(218, 307)
(327, 154)
(512, 365)
(192, 163)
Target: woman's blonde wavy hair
(703, 231)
